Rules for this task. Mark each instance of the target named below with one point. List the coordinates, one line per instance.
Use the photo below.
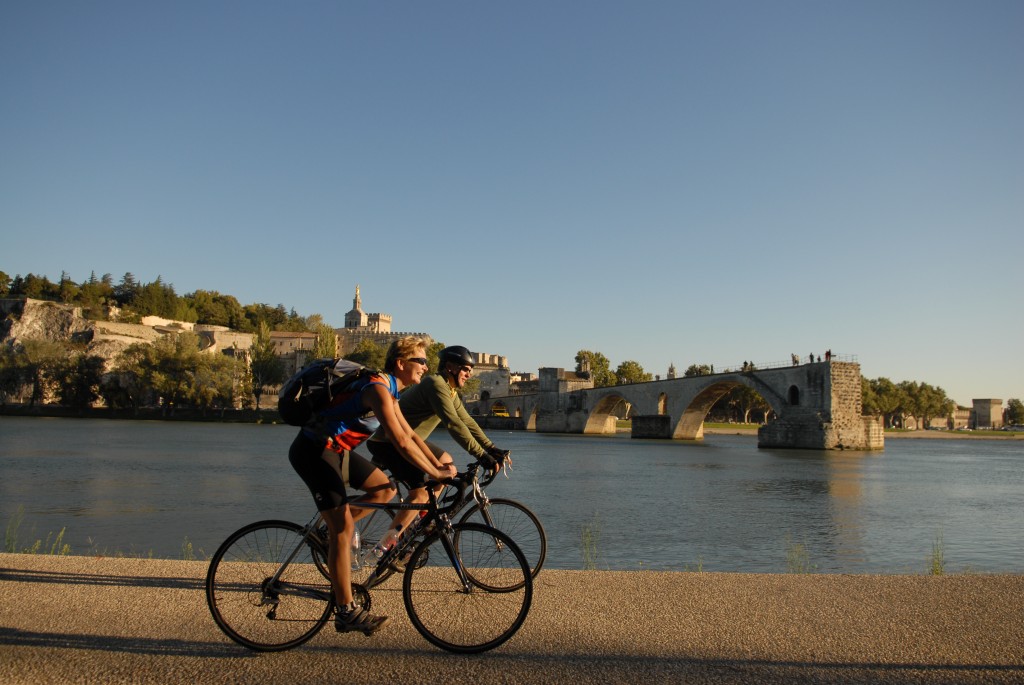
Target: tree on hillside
(275, 317)
(125, 385)
(216, 381)
(94, 294)
(156, 299)
(38, 360)
(5, 284)
(124, 292)
(434, 356)
(35, 287)
(631, 372)
(294, 323)
(168, 367)
(264, 364)
(78, 380)
(598, 366)
(326, 344)
(69, 291)
(11, 380)
(218, 310)
(368, 353)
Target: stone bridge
(816, 406)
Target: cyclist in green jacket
(432, 402)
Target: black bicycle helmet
(456, 354)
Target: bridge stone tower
(822, 409)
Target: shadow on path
(124, 645)
(23, 576)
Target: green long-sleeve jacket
(432, 402)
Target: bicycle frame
(441, 515)
(442, 519)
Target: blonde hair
(401, 349)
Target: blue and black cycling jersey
(346, 422)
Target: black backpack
(313, 387)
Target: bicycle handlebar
(460, 481)
(489, 477)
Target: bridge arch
(690, 425)
(602, 418)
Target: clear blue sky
(667, 182)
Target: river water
(172, 490)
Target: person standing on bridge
(430, 403)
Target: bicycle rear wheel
(518, 522)
(254, 609)
(469, 620)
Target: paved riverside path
(87, 620)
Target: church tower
(356, 318)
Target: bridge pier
(811, 432)
(652, 426)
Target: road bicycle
(507, 515)
(467, 587)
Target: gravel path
(86, 620)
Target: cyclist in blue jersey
(322, 456)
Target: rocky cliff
(39, 320)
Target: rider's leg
(339, 552)
(363, 475)
(349, 616)
(379, 490)
(418, 495)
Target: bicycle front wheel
(516, 521)
(460, 613)
(264, 589)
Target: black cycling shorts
(325, 472)
(387, 456)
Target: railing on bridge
(795, 360)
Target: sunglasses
(422, 361)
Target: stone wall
(349, 339)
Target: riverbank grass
(54, 544)
(590, 535)
(937, 566)
(798, 559)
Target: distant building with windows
(294, 350)
(987, 414)
(491, 370)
